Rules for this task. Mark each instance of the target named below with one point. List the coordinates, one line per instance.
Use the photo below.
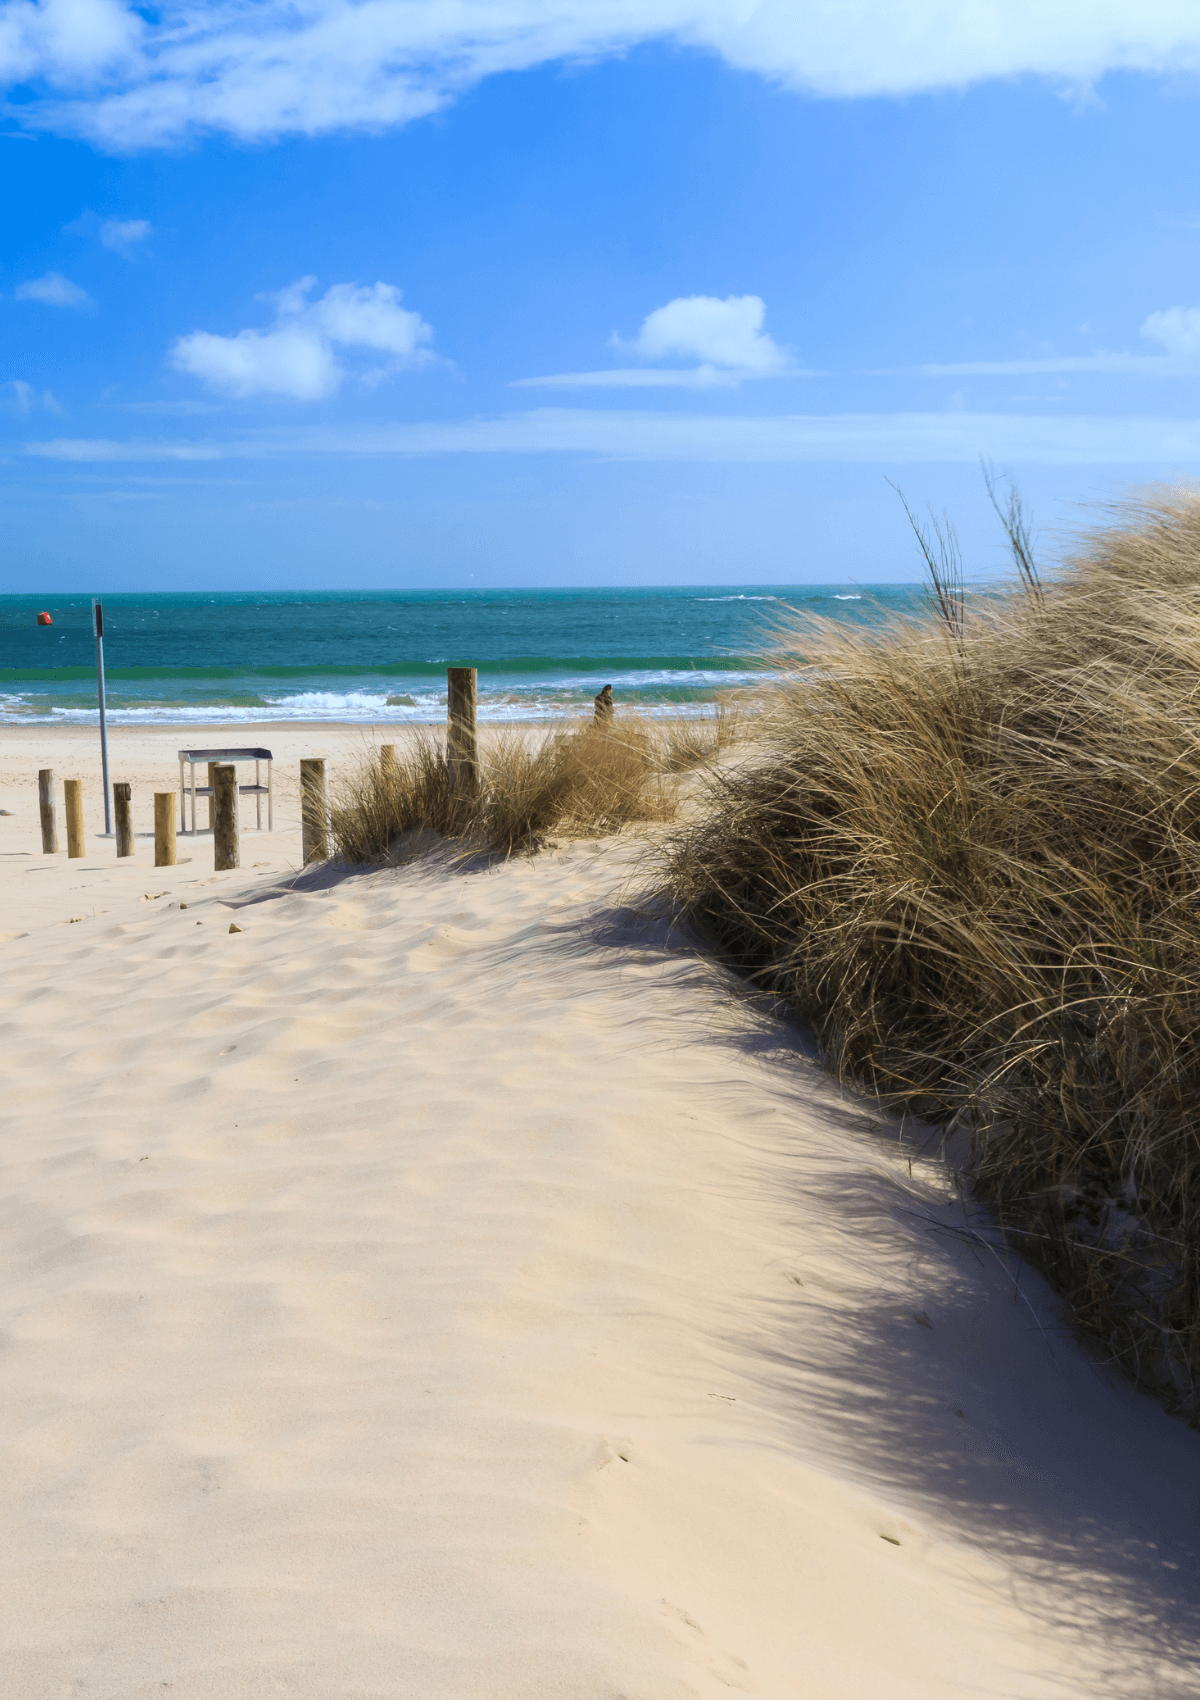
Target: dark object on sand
(604, 706)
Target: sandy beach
(454, 1285)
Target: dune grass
(572, 781)
(969, 852)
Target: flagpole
(98, 628)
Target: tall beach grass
(570, 781)
(968, 850)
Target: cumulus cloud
(296, 357)
(53, 290)
(129, 77)
(725, 337)
(1177, 329)
(725, 333)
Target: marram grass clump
(969, 852)
(569, 782)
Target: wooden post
(212, 801)
(73, 801)
(314, 812)
(225, 807)
(46, 806)
(387, 761)
(462, 742)
(123, 810)
(164, 829)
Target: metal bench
(258, 790)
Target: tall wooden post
(462, 740)
(314, 811)
(164, 829)
(46, 809)
(226, 853)
(73, 801)
(123, 809)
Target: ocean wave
(430, 667)
(846, 598)
(498, 713)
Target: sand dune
(451, 1286)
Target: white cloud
(1165, 446)
(122, 235)
(636, 378)
(725, 333)
(17, 396)
(1177, 330)
(292, 362)
(371, 318)
(54, 290)
(726, 337)
(131, 78)
(296, 358)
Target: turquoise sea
(380, 656)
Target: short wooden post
(123, 810)
(73, 801)
(226, 853)
(164, 829)
(314, 811)
(462, 740)
(46, 807)
(387, 761)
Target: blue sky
(532, 293)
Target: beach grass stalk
(968, 850)
(575, 780)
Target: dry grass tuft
(686, 744)
(571, 782)
(970, 853)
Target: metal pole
(98, 628)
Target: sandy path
(448, 1287)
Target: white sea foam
(847, 598)
(401, 701)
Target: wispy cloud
(123, 236)
(726, 338)
(16, 396)
(617, 434)
(53, 290)
(635, 378)
(1175, 329)
(132, 77)
(296, 357)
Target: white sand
(448, 1287)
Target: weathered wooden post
(123, 809)
(164, 829)
(225, 808)
(462, 740)
(314, 811)
(46, 808)
(73, 802)
(387, 761)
